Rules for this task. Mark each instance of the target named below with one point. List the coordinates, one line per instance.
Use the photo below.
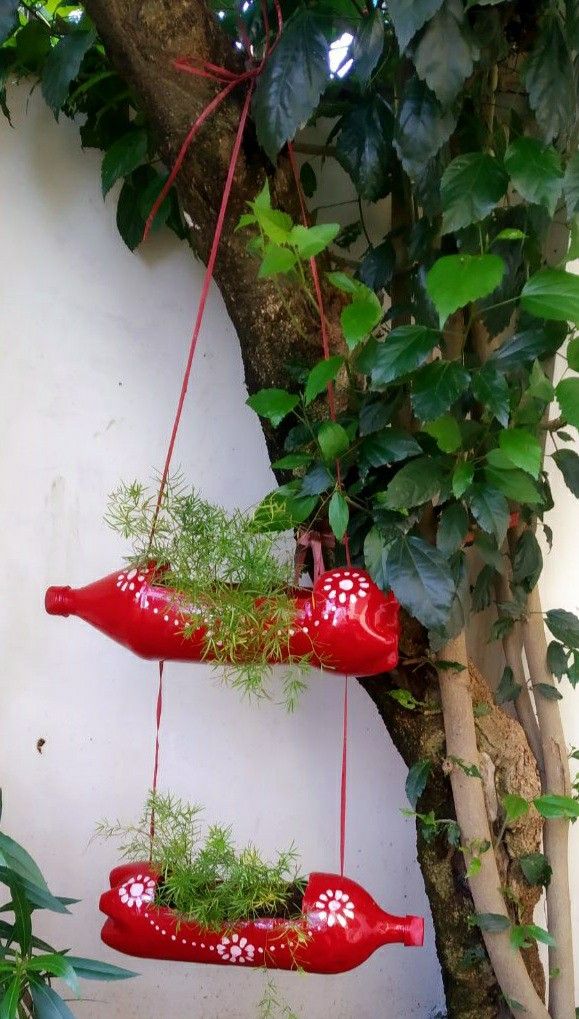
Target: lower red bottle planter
(340, 928)
(345, 623)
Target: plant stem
(471, 814)
(556, 830)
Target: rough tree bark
(143, 37)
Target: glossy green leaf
(125, 155)
(514, 807)
(62, 66)
(445, 430)
(525, 935)
(273, 404)
(490, 509)
(549, 78)
(57, 965)
(567, 461)
(408, 16)
(292, 461)
(456, 280)
(16, 858)
(548, 691)
(8, 12)
(311, 241)
(360, 317)
(374, 415)
(536, 868)
(527, 561)
(367, 45)
(377, 266)
(276, 260)
(333, 440)
(470, 188)
(490, 388)
(375, 556)
(452, 529)
(571, 185)
(338, 515)
(507, 689)
(93, 969)
(567, 393)
(308, 179)
(557, 659)
(414, 484)
(364, 147)
(48, 1004)
(436, 387)
(573, 354)
(564, 626)
(535, 170)
(422, 128)
(416, 780)
(552, 294)
(323, 372)
(289, 88)
(462, 478)
(387, 446)
(446, 52)
(421, 579)
(524, 347)
(403, 350)
(494, 923)
(11, 998)
(522, 449)
(553, 806)
(129, 218)
(515, 485)
(317, 480)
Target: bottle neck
(405, 930)
(58, 601)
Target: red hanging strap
(158, 715)
(344, 781)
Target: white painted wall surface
(92, 342)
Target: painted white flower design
(346, 586)
(236, 949)
(335, 907)
(137, 891)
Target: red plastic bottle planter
(341, 924)
(345, 622)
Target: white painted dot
(152, 922)
(163, 932)
(202, 945)
(317, 622)
(173, 937)
(273, 948)
(327, 587)
(260, 950)
(342, 598)
(305, 629)
(184, 941)
(364, 583)
(131, 574)
(355, 574)
(332, 595)
(282, 946)
(121, 576)
(156, 927)
(131, 587)
(194, 943)
(124, 587)
(362, 594)
(119, 582)
(353, 599)
(156, 611)
(211, 948)
(176, 623)
(325, 615)
(291, 633)
(346, 585)
(346, 573)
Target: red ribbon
(158, 715)
(316, 541)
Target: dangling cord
(159, 713)
(344, 781)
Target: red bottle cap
(414, 932)
(57, 601)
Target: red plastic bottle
(345, 623)
(341, 927)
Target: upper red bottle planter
(345, 623)
(340, 928)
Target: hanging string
(158, 715)
(344, 780)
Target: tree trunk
(275, 326)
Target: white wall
(92, 344)
(93, 341)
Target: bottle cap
(414, 931)
(57, 601)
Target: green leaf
(367, 45)
(311, 241)
(48, 1004)
(548, 691)
(446, 431)
(403, 350)
(421, 579)
(62, 66)
(341, 280)
(276, 260)
(16, 858)
(573, 354)
(317, 480)
(8, 12)
(510, 234)
(273, 404)
(522, 449)
(375, 556)
(289, 88)
(514, 806)
(57, 965)
(515, 485)
(446, 52)
(490, 510)
(416, 780)
(422, 127)
(571, 185)
(276, 225)
(11, 998)
(386, 447)
(93, 969)
(333, 440)
(553, 806)
(564, 626)
(490, 388)
(527, 561)
(280, 511)
(374, 415)
(483, 589)
(292, 461)
(360, 317)
(408, 16)
(550, 82)
(130, 221)
(536, 868)
(456, 280)
(507, 689)
(567, 461)
(377, 266)
(557, 659)
(364, 147)
(414, 484)
(524, 935)
(462, 479)
(436, 387)
(452, 529)
(567, 393)
(539, 386)
(321, 374)
(535, 170)
(523, 348)
(125, 155)
(338, 515)
(490, 554)
(552, 294)
(494, 923)
(470, 188)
